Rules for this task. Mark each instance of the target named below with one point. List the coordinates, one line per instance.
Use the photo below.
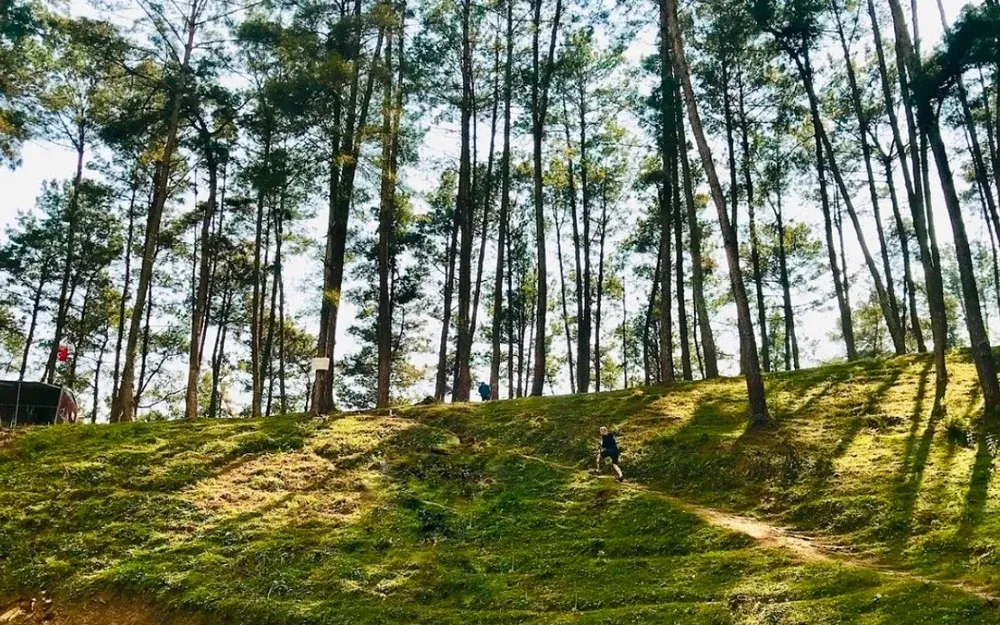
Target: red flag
(63, 353)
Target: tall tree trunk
(755, 382)
(897, 331)
(711, 365)
(199, 313)
(72, 219)
(464, 216)
(791, 341)
(904, 244)
(922, 218)
(665, 195)
(386, 225)
(758, 280)
(666, 328)
(682, 322)
(846, 323)
(541, 78)
(565, 310)
(218, 353)
(585, 298)
(979, 340)
(504, 216)
(487, 195)
(144, 349)
(258, 291)
(624, 340)
(124, 409)
(648, 359)
(272, 315)
(441, 387)
(98, 366)
(838, 223)
(889, 310)
(123, 300)
(36, 305)
(341, 196)
(280, 283)
(600, 291)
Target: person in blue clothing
(484, 391)
(609, 449)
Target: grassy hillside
(488, 513)
(859, 454)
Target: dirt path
(806, 548)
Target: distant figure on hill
(609, 449)
(484, 391)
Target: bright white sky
(44, 161)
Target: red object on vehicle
(63, 353)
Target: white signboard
(321, 364)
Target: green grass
(485, 514)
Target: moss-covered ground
(487, 513)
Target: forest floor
(863, 504)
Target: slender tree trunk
(600, 292)
(647, 339)
(666, 333)
(258, 290)
(665, 195)
(565, 310)
(758, 280)
(896, 330)
(904, 244)
(273, 307)
(98, 366)
(682, 322)
(199, 313)
(919, 203)
(36, 305)
(889, 310)
(791, 342)
(838, 223)
(123, 300)
(624, 340)
(72, 219)
(539, 109)
(449, 287)
(282, 390)
(711, 365)
(464, 216)
(755, 383)
(846, 323)
(585, 299)
(487, 195)
(386, 225)
(504, 216)
(124, 409)
(218, 353)
(144, 350)
(697, 345)
(982, 352)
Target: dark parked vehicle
(35, 403)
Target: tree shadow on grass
(906, 486)
(977, 495)
(864, 410)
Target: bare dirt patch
(39, 609)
